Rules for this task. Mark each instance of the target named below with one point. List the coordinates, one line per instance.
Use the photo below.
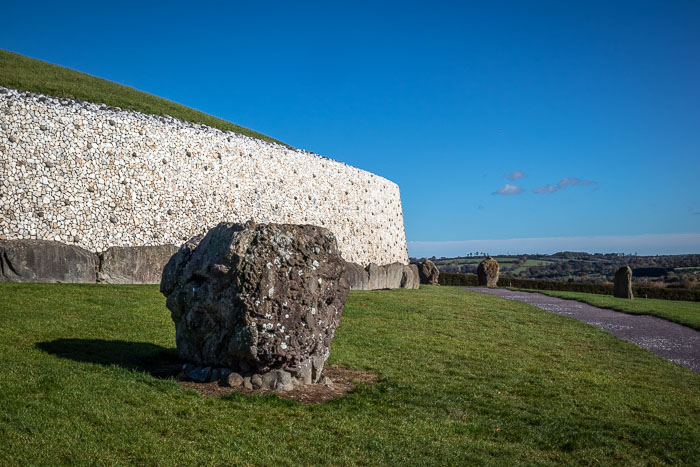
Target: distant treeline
(647, 271)
(469, 280)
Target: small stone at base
(256, 381)
(233, 380)
(246, 383)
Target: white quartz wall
(98, 176)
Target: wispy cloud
(564, 183)
(648, 244)
(508, 189)
(515, 175)
(545, 189)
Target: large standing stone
(623, 283)
(134, 265)
(258, 296)
(428, 272)
(487, 272)
(45, 261)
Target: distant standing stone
(623, 283)
(428, 272)
(487, 272)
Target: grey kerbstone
(410, 278)
(134, 265)
(356, 276)
(416, 276)
(45, 261)
(387, 276)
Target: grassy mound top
(28, 74)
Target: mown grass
(28, 74)
(681, 312)
(465, 378)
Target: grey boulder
(257, 296)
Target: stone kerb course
(97, 177)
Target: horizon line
(648, 244)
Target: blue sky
(499, 120)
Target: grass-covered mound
(686, 313)
(464, 378)
(28, 74)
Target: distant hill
(27, 74)
(669, 270)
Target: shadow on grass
(159, 361)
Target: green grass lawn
(686, 313)
(28, 74)
(464, 378)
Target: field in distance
(661, 271)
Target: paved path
(674, 342)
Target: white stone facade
(97, 177)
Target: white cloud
(563, 183)
(545, 189)
(646, 244)
(508, 189)
(515, 175)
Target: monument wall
(98, 176)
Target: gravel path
(671, 341)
